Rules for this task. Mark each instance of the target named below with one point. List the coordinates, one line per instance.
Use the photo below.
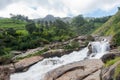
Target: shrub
(5, 59)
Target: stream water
(37, 71)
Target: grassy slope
(111, 27)
(9, 23)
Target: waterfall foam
(37, 71)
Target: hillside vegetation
(10, 23)
(111, 27)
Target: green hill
(111, 27)
(10, 23)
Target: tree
(78, 21)
(60, 24)
(11, 31)
(30, 27)
(19, 17)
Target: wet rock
(107, 57)
(56, 52)
(26, 63)
(90, 49)
(74, 71)
(53, 62)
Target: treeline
(84, 26)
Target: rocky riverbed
(81, 70)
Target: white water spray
(37, 71)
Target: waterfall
(37, 71)
(99, 48)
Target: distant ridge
(52, 18)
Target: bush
(5, 59)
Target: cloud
(61, 8)
(4, 3)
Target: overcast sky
(58, 8)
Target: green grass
(9, 23)
(111, 62)
(117, 71)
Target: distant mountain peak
(49, 18)
(49, 15)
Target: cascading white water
(99, 48)
(37, 71)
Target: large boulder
(24, 64)
(75, 71)
(108, 57)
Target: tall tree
(31, 27)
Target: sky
(59, 8)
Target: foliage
(9, 23)
(78, 21)
(30, 27)
(111, 62)
(22, 32)
(72, 45)
(84, 26)
(111, 27)
(117, 72)
(116, 39)
(5, 59)
(19, 17)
